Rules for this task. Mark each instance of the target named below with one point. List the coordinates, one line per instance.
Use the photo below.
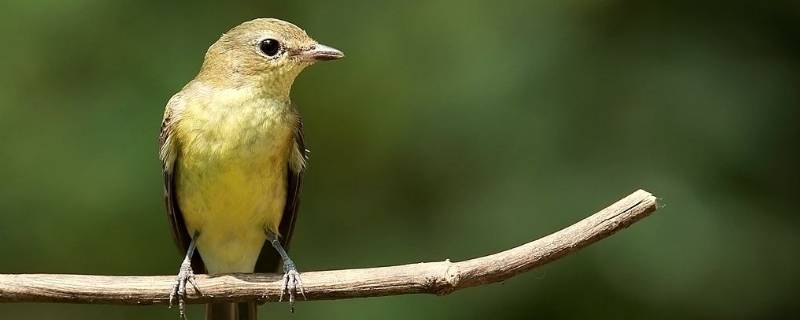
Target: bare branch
(432, 277)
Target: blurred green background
(452, 129)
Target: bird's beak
(321, 52)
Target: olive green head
(269, 52)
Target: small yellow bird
(232, 155)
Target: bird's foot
(185, 275)
(292, 285)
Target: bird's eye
(269, 47)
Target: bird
(233, 158)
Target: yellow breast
(231, 177)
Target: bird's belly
(230, 197)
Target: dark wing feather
(295, 182)
(269, 260)
(179, 233)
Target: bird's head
(264, 53)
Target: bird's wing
(269, 260)
(168, 153)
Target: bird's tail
(232, 311)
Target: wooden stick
(432, 277)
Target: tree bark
(432, 277)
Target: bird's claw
(185, 275)
(291, 285)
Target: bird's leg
(291, 278)
(185, 275)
